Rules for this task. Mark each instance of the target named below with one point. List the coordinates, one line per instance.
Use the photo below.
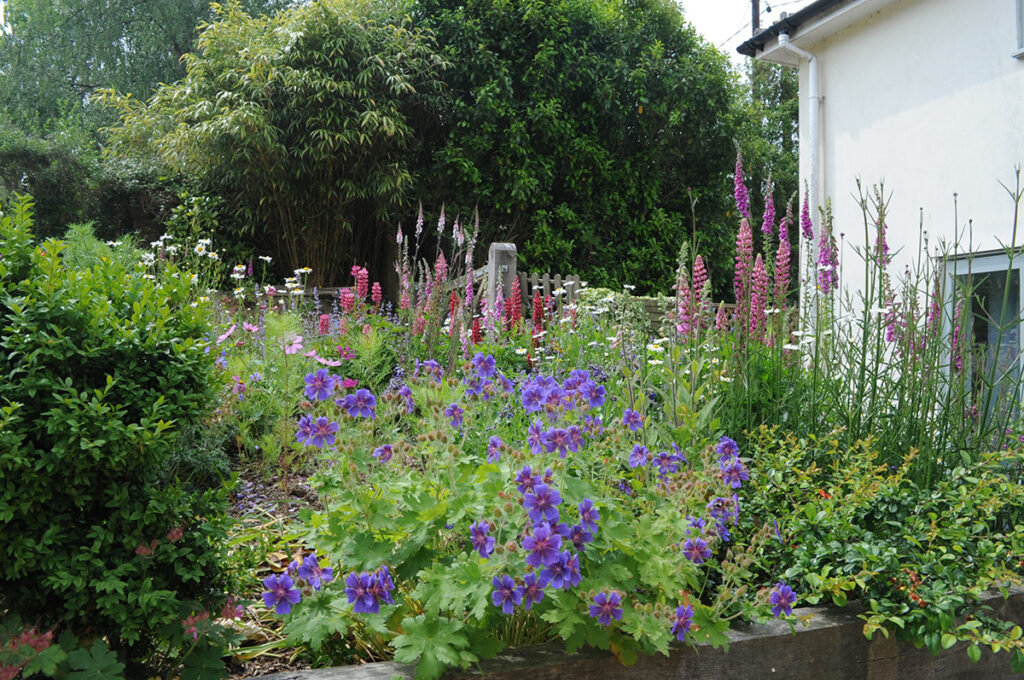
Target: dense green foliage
(594, 135)
(103, 367)
(65, 171)
(583, 131)
(56, 55)
(305, 124)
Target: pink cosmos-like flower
(292, 343)
(250, 328)
(227, 334)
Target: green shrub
(102, 369)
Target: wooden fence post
(501, 267)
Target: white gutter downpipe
(814, 99)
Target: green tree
(58, 53)
(305, 123)
(582, 130)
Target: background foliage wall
(596, 134)
(582, 129)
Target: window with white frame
(1019, 52)
(990, 291)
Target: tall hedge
(102, 368)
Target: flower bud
(497, 512)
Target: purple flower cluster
(431, 368)
(731, 467)
(282, 592)
(367, 591)
(318, 433)
(485, 375)
(725, 511)
(544, 393)
(550, 564)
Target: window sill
(1018, 54)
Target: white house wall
(925, 97)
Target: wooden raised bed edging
(831, 646)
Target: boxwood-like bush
(101, 368)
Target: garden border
(832, 645)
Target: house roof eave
(809, 26)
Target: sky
(726, 23)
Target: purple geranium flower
(639, 456)
(607, 606)
(357, 590)
(506, 595)
(557, 571)
(384, 453)
(576, 440)
(589, 515)
(406, 392)
(323, 433)
(535, 437)
(696, 550)
(542, 547)
(361, 403)
(319, 385)
(683, 622)
(484, 365)
(782, 598)
(313, 573)
(533, 589)
(494, 449)
(281, 593)
(733, 473)
(556, 439)
(541, 503)
(454, 411)
(381, 586)
(727, 448)
(593, 393)
(533, 397)
(526, 480)
(305, 429)
(632, 419)
(580, 537)
(482, 543)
